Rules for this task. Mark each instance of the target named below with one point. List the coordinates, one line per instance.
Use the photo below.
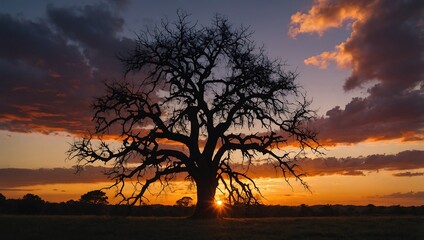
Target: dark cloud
(12, 178)
(39, 77)
(388, 46)
(96, 29)
(379, 116)
(409, 174)
(120, 4)
(51, 68)
(15, 177)
(18, 190)
(409, 195)
(346, 166)
(356, 166)
(385, 46)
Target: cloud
(322, 60)
(413, 195)
(120, 4)
(51, 68)
(327, 14)
(18, 189)
(14, 178)
(356, 166)
(346, 166)
(409, 174)
(385, 46)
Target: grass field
(104, 228)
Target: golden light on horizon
(378, 188)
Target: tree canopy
(29, 197)
(184, 202)
(94, 197)
(206, 101)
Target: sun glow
(219, 203)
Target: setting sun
(224, 107)
(211, 119)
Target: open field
(91, 227)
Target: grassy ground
(104, 228)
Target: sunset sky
(360, 61)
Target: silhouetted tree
(29, 197)
(2, 198)
(32, 203)
(71, 202)
(209, 100)
(2, 202)
(185, 202)
(94, 197)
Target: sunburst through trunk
(205, 99)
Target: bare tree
(208, 93)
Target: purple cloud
(385, 46)
(52, 68)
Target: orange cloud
(326, 14)
(339, 56)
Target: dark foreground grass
(104, 228)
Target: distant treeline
(32, 204)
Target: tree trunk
(206, 207)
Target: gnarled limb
(206, 92)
